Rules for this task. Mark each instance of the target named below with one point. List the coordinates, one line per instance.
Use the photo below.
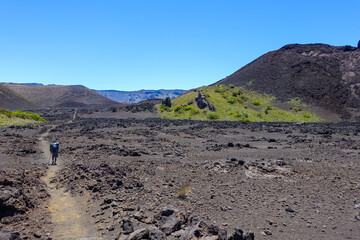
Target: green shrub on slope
(233, 103)
(18, 118)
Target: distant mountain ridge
(141, 95)
(40, 84)
(59, 95)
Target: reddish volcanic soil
(149, 178)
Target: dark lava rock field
(180, 179)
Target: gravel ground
(276, 180)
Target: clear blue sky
(153, 44)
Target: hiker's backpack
(54, 147)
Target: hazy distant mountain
(138, 96)
(40, 84)
(60, 96)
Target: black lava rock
(202, 102)
(289, 209)
(167, 102)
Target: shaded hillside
(60, 96)
(319, 74)
(13, 101)
(138, 96)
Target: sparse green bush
(221, 88)
(267, 109)
(306, 115)
(184, 189)
(244, 98)
(255, 103)
(194, 112)
(5, 112)
(296, 102)
(296, 109)
(250, 83)
(163, 108)
(23, 115)
(246, 107)
(179, 109)
(213, 116)
(231, 86)
(242, 117)
(231, 100)
(188, 108)
(27, 115)
(190, 103)
(223, 95)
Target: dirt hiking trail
(68, 215)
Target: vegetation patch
(296, 102)
(163, 108)
(296, 109)
(236, 104)
(8, 118)
(184, 189)
(213, 116)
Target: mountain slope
(138, 96)
(60, 96)
(319, 74)
(13, 101)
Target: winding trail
(68, 215)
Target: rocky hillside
(320, 74)
(12, 101)
(60, 96)
(138, 96)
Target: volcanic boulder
(202, 102)
(167, 102)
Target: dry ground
(280, 181)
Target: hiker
(54, 149)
